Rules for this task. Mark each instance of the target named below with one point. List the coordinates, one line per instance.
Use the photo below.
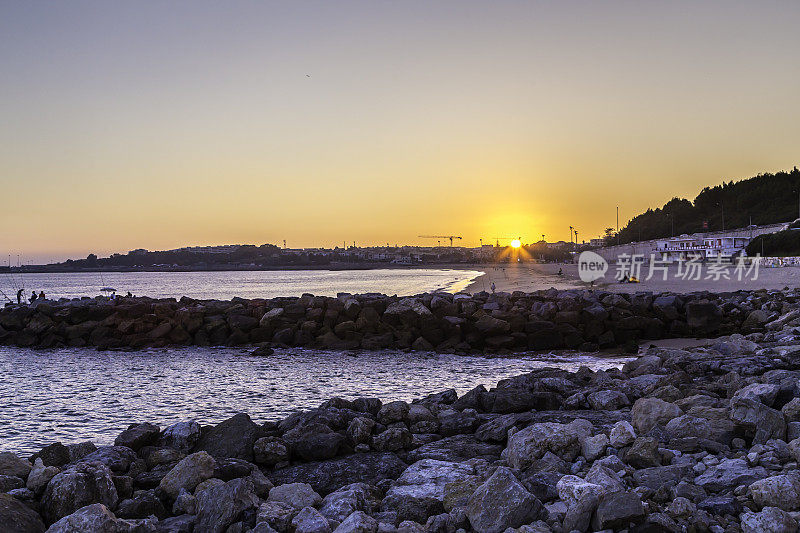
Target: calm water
(226, 285)
(72, 395)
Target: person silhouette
(33, 296)
(20, 294)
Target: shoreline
(650, 446)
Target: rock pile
(704, 440)
(483, 323)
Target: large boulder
(313, 442)
(617, 511)
(298, 495)
(220, 504)
(328, 476)
(96, 518)
(529, 444)
(358, 522)
(182, 436)
(763, 422)
(16, 517)
(188, 473)
(501, 503)
(410, 311)
(649, 412)
(78, 486)
(138, 435)
(781, 491)
(233, 437)
(729, 474)
(769, 520)
(419, 492)
(309, 520)
(349, 499)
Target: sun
(515, 243)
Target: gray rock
(313, 441)
(729, 474)
(649, 412)
(188, 473)
(94, 518)
(138, 435)
(502, 502)
(277, 515)
(769, 520)
(270, 451)
(340, 504)
(419, 492)
(118, 458)
(310, 521)
(40, 476)
(360, 430)
(579, 514)
(764, 422)
(182, 436)
(233, 437)
(622, 434)
(76, 487)
(393, 412)
(358, 522)
(594, 447)
(572, 489)
(531, 443)
(782, 491)
(618, 511)
(221, 504)
(298, 495)
(607, 400)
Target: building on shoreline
(705, 246)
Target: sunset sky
(164, 124)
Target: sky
(163, 124)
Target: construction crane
(451, 237)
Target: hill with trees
(763, 199)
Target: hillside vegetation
(763, 199)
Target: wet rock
(138, 435)
(455, 448)
(392, 440)
(141, 505)
(55, 454)
(393, 412)
(501, 503)
(188, 473)
(76, 487)
(182, 436)
(233, 437)
(118, 458)
(16, 517)
(360, 430)
(8, 483)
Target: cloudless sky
(164, 124)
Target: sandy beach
(533, 277)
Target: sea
(72, 395)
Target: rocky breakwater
(704, 440)
(460, 323)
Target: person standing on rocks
(33, 296)
(19, 296)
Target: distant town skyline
(163, 125)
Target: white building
(696, 246)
